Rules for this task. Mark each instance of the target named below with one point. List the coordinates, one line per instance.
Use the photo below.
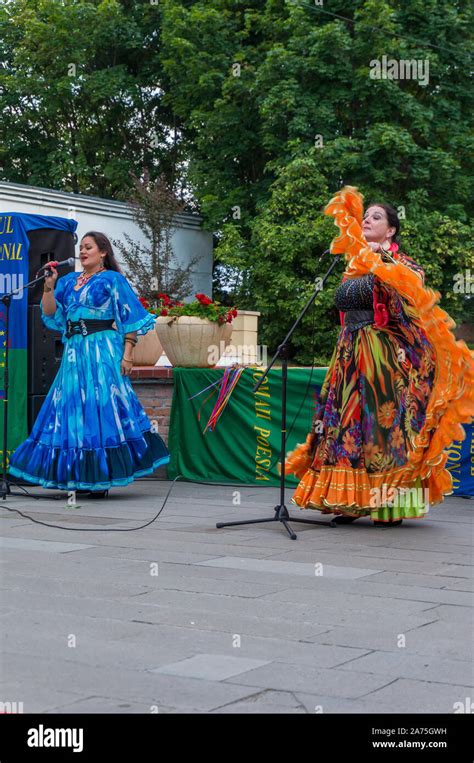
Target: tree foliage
(258, 111)
(281, 110)
(79, 99)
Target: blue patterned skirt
(91, 432)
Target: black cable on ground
(96, 529)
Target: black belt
(356, 319)
(86, 327)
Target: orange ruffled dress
(395, 395)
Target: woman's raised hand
(51, 280)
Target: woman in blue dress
(91, 432)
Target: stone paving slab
(41, 700)
(211, 667)
(421, 641)
(421, 580)
(116, 706)
(377, 564)
(452, 613)
(26, 544)
(334, 682)
(431, 696)
(357, 601)
(287, 568)
(408, 665)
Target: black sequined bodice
(355, 294)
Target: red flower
(203, 299)
(229, 318)
(144, 302)
(234, 312)
(164, 312)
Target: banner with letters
(461, 463)
(14, 268)
(245, 445)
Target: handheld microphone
(57, 264)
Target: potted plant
(148, 349)
(195, 334)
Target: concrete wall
(114, 219)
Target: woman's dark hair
(104, 245)
(392, 217)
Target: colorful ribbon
(227, 384)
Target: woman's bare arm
(48, 301)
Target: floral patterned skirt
(371, 406)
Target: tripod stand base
(282, 516)
(5, 491)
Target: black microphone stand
(5, 484)
(281, 512)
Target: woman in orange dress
(397, 388)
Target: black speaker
(45, 351)
(45, 348)
(47, 244)
(34, 405)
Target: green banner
(245, 445)
(17, 422)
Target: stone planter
(148, 349)
(244, 348)
(192, 342)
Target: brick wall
(154, 388)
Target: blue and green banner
(461, 463)
(14, 269)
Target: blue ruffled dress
(92, 432)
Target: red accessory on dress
(381, 315)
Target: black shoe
(343, 519)
(98, 493)
(396, 523)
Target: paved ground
(182, 617)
